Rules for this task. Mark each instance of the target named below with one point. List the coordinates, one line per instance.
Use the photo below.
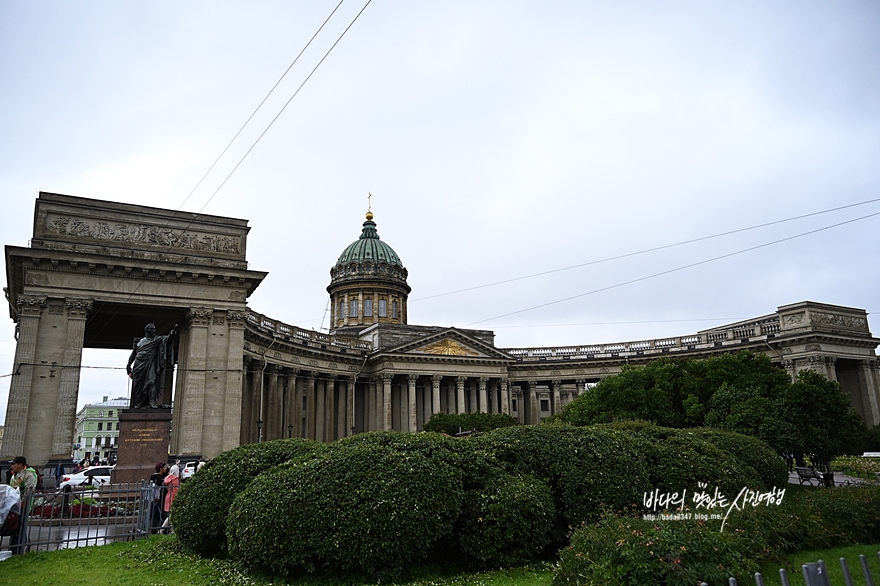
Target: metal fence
(816, 574)
(78, 517)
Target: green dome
(369, 248)
(368, 259)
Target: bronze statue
(146, 367)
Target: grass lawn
(832, 557)
(157, 561)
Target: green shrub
(362, 509)
(586, 468)
(452, 423)
(507, 522)
(751, 451)
(627, 550)
(200, 508)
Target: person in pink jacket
(172, 482)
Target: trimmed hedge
(361, 509)
(453, 423)
(200, 508)
(586, 468)
(626, 550)
(769, 467)
(507, 522)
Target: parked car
(95, 475)
(188, 471)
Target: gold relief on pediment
(447, 347)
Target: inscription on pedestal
(144, 439)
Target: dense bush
(627, 550)
(586, 468)
(362, 509)
(506, 522)
(201, 505)
(453, 423)
(769, 465)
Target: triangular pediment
(450, 343)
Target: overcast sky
(499, 140)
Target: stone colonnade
(281, 402)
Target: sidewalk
(839, 479)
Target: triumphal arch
(95, 272)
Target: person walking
(25, 480)
(172, 484)
(157, 504)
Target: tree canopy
(741, 392)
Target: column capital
(556, 382)
(386, 377)
(484, 380)
(461, 379)
(30, 306)
(412, 377)
(235, 319)
(199, 316)
(436, 378)
(78, 308)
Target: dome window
(394, 310)
(368, 308)
(383, 310)
(354, 308)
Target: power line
(308, 77)
(196, 215)
(283, 75)
(618, 323)
(681, 268)
(629, 254)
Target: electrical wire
(196, 215)
(647, 250)
(681, 268)
(283, 75)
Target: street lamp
(259, 430)
(290, 431)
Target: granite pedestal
(144, 440)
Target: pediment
(452, 344)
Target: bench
(809, 475)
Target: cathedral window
(383, 311)
(341, 310)
(354, 308)
(368, 308)
(394, 309)
(545, 404)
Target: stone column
(505, 398)
(370, 424)
(556, 407)
(246, 429)
(232, 395)
(459, 388)
(484, 398)
(30, 310)
(272, 421)
(321, 410)
(870, 391)
(411, 397)
(294, 405)
(534, 412)
(386, 401)
(311, 399)
(493, 397)
(331, 408)
(189, 404)
(435, 393)
(350, 390)
(472, 406)
(581, 385)
(65, 416)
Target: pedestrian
(172, 484)
(24, 479)
(789, 459)
(58, 473)
(157, 502)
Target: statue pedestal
(144, 439)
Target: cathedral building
(96, 271)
